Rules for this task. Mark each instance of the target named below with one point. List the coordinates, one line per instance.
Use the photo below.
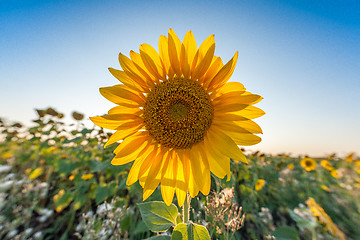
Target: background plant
(54, 178)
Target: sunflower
(350, 157)
(259, 184)
(308, 163)
(327, 165)
(318, 212)
(335, 173)
(178, 116)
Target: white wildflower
(6, 185)
(4, 168)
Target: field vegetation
(56, 182)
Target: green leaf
(80, 201)
(159, 237)
(286, 233)
(157, 216)
(102, 193)
(180, 232)
(301, 221)
(140, 228)
(190, 231)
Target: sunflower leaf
(157, 216)
(190, 231)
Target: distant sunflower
(308, 163)
(335, 173)
(178, 116)
(318, 212)
(327, 165)
(290, 166)
(350, 157)
(259, 184)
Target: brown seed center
(178, 112)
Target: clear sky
(303, 57)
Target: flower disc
(177, 113)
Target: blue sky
(303, 57)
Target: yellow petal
(154, 176)
(200, 168)
(238, 97)
(133, 175)
(133, 71)
(219, 164)
(139, 64)
(188, 51)
(145, 167)
(229, 126)
(164, 56)
(228, 117)
(121, 134)
(126, 80)
(243, 139)
(168, 180)
(122, 109)
(188, 173)
(250, 112)
(130, 144)
(249, 125)
(230, 107)
(113, 121)
(174, 47)
(204, 64)
(203, 49)
(224, 74)
(225, 144)
(119, 94)
(231, 87)
(181, 185)
(212, 71)
(130, 157)
(152, 61)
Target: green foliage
(286, 233)
(190, 231)
(77, 182)
(157, 216)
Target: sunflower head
(350, 157)
(327, 165)
(335, 173)
(259, 184)
(308, 164)
(178, 116)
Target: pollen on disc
(178, 112)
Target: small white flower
(37, 235)
(10, 176)
(28, 231)
(6, 185)
(42, 218)
(5, 168)
(44, 185)
(103, 208)
(12, 234)
(89, 214)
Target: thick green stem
(186, 209)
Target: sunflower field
(57, 182)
